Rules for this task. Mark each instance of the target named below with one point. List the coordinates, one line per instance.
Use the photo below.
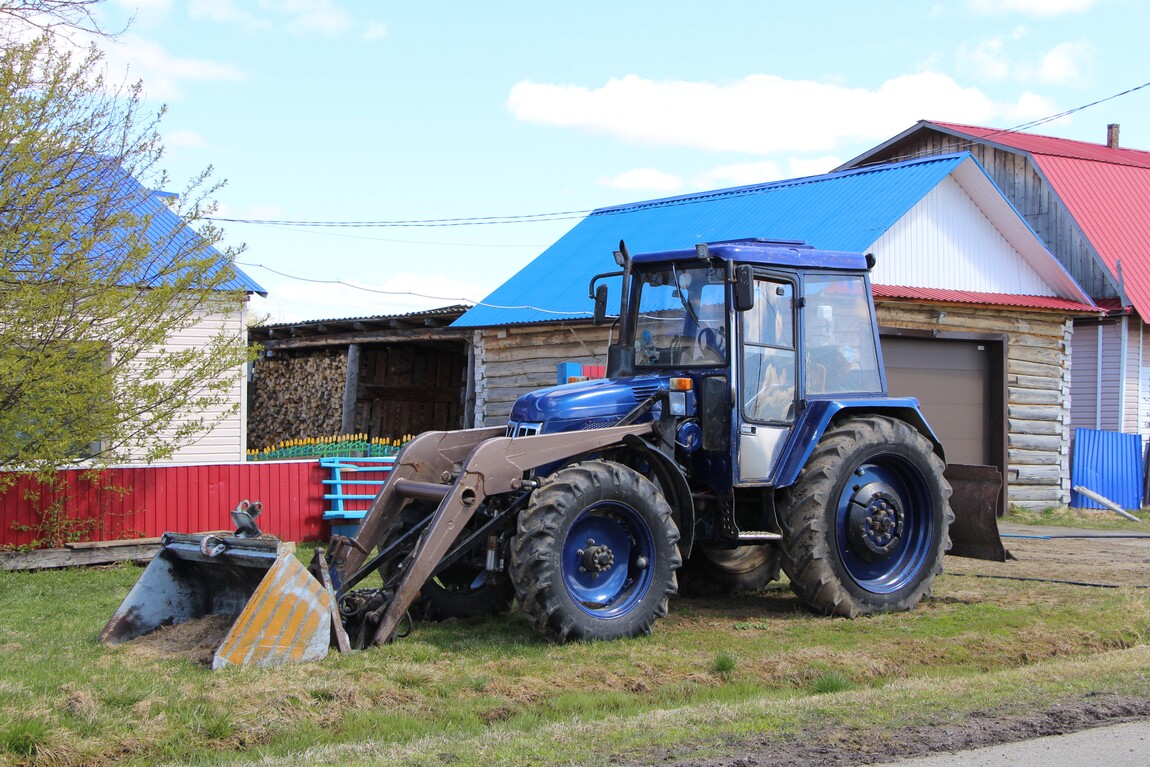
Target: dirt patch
(839, 747)
(1088, 557)
(196, 640)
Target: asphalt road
(1119, 745)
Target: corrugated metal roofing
(986, 299)
(846, 210)
(167, 234)
(1106, 190)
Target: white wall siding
(227, 441)
(947, 242)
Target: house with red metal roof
(1090, 205)
(974, 312)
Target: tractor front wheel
(595, 554)
(866, 524)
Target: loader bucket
(279, 612)
(974, 501)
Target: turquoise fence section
(351, 486)
(1108, 463)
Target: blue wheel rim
(884, 524)
(615, 531)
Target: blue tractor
(743, 427)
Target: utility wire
(571, 214)
(409, 292)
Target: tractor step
(758, 535)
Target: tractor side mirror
(744, 289)
(600, 305)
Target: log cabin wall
(511, 361)
(1037, 388)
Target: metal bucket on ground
(974, 501)
(280, 613)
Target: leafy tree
(98, 273)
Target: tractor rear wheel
(711, 571)
(595, 554)
(866, 524)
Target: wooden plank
(51, 559)
(112, 544)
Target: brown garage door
(952, 380)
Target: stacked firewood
(293, 396)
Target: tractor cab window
(682, 320)
(838, 333)
(768, 391)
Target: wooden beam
(350, 390)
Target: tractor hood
(583, 405)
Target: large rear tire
(866, 524)
(595, 554)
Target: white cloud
(184, 138)
(986, 60)
(301, 17)
(375, 31)
(1061, 64)
(144, 5)
(740, 174)
(667, 113)
(306, 16)
(161, 71)
(644, 179)
(225, 12)
(989, 60)
(295, 300)
(1032, 7)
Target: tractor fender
(818, 415)
(675, 489)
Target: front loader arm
(494, 465)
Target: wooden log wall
(518, 359)
(1038, 390)
(297, 396)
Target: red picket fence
(184, 499)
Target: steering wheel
(712, 344)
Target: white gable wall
(947, 242)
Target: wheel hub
(595, 558)
(876, 521)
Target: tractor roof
(788, 253)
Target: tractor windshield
(682, 318)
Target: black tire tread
(535, 548)
(807, 558)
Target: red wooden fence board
(178, 498)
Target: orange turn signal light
(681, 384)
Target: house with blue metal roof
(131, 238)
(975, 312)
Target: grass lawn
(488, 692)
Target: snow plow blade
(974, 532)
(278, 611)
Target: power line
(529, 218)
(573, 214)
(407, 292)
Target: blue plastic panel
(1108, 463)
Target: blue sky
(342, 110)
